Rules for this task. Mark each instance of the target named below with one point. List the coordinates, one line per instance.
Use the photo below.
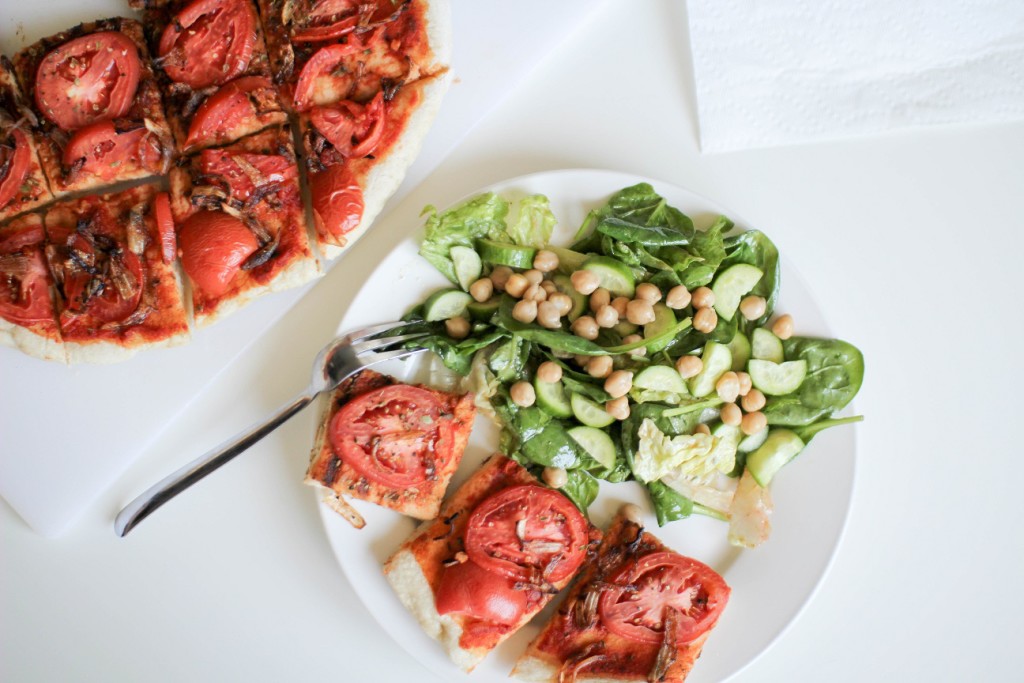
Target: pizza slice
(117, 291)
(391, 444)
(241, 227)
(640, 612)
(502, 547)
(22, 183)
(28, 321)
(212, 66)
(97, 101)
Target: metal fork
(335, 363)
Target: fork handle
(159, 493)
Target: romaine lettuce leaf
(481, 216)
(535, 222)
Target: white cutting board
(67, 433)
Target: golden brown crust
(34, 191)
(146, 111)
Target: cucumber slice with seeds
(751, 443)
(551, 398)
(777, 379)
(615, 276)
(779, 448)
(730, 286)
(468, 265)
(590, 413)
(661, 378)
(483, 311)
(664, 318)
(448, 303)
(596, 443)
(766, 346)
(504, 254)
(740, 349)
(717, 360)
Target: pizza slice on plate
(27, 317)
(502, 547)
(22, 183)
(212, 66)
(240, 223)
(640, 612)
(111, 257)
(94, 93)
(365, 80)
(392, 444)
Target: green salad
(647, 350)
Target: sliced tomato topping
(398, 435)
(321, 81)
(24, 278)
(106, 152)
(466, 588)
(214, 246)
(244, 172)
(93, 290)
(88, 79)
(209, 42)
(337, 201)
(529, 533)
(14, 163)
(165, 227)
(226, 112)
(355, 130)
(329, 19)
(657, 583)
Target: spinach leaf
(535, 222)
(755, 248)
(807, 433)
(668, 504)
(540, 439)
(581, 489)
(508, 361)
(481, 216)
(835, 372)
(707, 251)
(645, 235)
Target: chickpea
(516, 285)
(619, 383)
(607, 316)
(620, 303)
(549, 287)
(728, 387)
(549, 371)
(563, 302)
(745, 383)
(618, 408)
(648, 292)
(702, 429)
(545, 261)
(705, 320)
(633, 339)
(482, 289)
(534, 276)
(753, 307)
(783, 327)
(582, 360)
(586, 327)
(500, 276)
(548, 315)
(640, 312)
(525, 311)
(702, 297)
(600, 298)
(457, 328)
(555, 477)
(689, 366)
(632, 514)
(753, 422)
(678, 297)
(585, 281)
(523, 394)
(753, 401)
(535, 293)
(731, 414)
(599, 366)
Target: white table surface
(911, 241)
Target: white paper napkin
(773, 72)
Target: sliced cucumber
(766, 346)
(730, 286)
(615, 275)
(661, 378)
(590, 412)
(777, 379)
(468, 265)
(448, 303)
(751, 443)
(504, 254)
(664, 318)
(579, 301)
(740, 348)
(569, 261)
(597, 443)
(780, 447)
(717, 360)
(552, 399)
(483, 311)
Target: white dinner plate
(769, 585)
